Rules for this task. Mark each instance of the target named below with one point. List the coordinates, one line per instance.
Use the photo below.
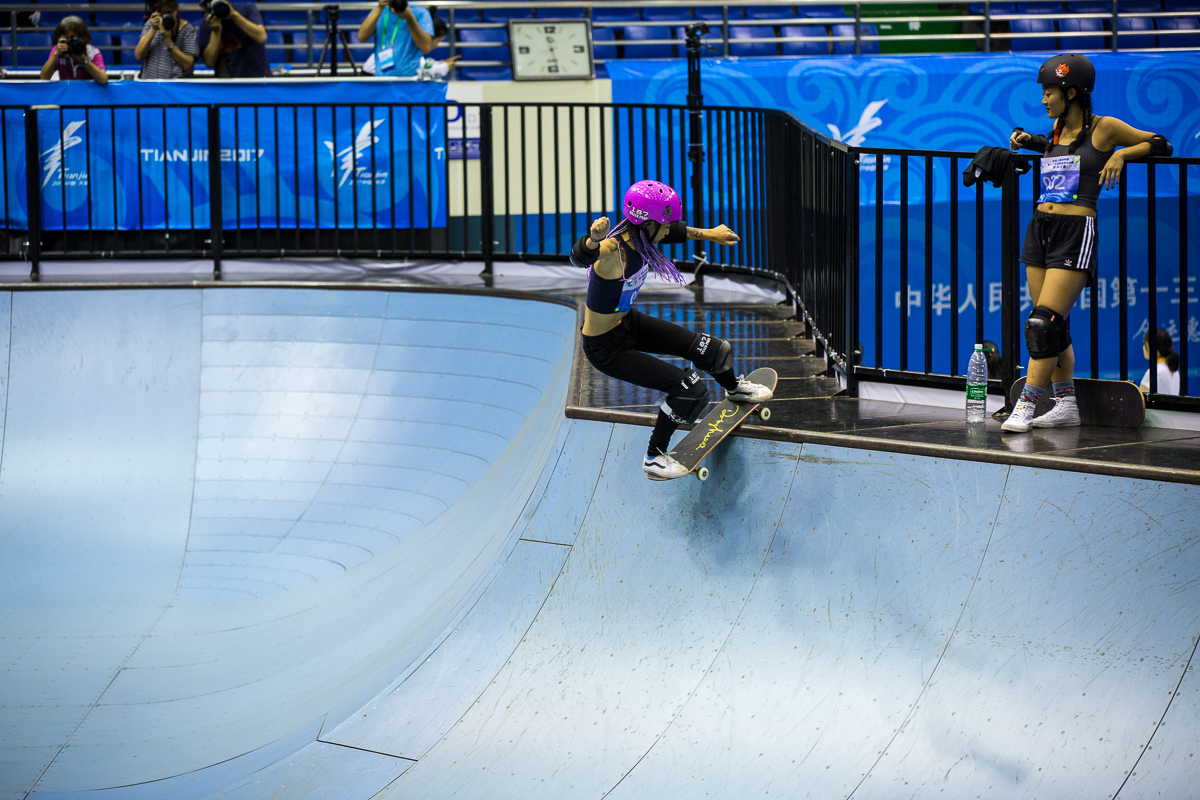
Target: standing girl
(1061, 242)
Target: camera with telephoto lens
(168, 22)
(399, 6)
(220, 8)
(77, 47)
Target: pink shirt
(69, 70)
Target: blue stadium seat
(120, 21)
(1134, 40)
(289, 19)
(822, 11)
(635, 34)
(1182, 39)
(1089, 6)
(1139, 6)
(601, 51)
(770, 12)
(494, 47)
(103, 42)
(711, 13)
(34, 49)
(809, 48)
(277, 53)
(560, 13)
(669, 14)
(1040, 8)
(128, 41)
(1181, 5)
(1073, 43)
(621, 14)
(869, 48)
(1033, 26)
(998, 9)
(742, 41)
(505, 14)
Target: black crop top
(1073, 178)
(616, 295)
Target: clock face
(548, 49)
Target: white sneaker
(1021, 419)
(663, 467)
(748, 392)
(1065, 414)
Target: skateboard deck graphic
(1117, 404)
(718, 423)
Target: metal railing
(939, 271)
(478, 181)
(849, 28)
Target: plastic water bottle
(977, 377)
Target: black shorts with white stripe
(1061, 241)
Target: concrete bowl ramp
(495, 603)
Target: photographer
(73, 57)
(167, 48)
(405, 34)
(232, 39)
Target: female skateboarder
(617, 337)
(1061, 243)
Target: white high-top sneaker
(663, 467)
(748, 392)
(1065, 414)
(1021, 419)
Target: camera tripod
(332, 37)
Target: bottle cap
(979, 347)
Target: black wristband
(583, 256)
(676, 233)
(1159, 146)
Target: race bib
(1060, 179)
(630, 289)
(387, 59)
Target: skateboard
(1117, 404)
(718, 423)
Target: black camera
(399, 6)
(77, 47)
(220, 8)
(168, 22)
(695, 29)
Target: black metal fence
(939, 271)
(387, 181)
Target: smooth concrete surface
(383, 592)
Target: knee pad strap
(684, 404)
(1043, 333)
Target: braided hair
(1085, 103)
(642, 242)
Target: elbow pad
(582, 256)
(1037, 143)
(1159, 146)
(676, 233)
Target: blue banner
(292, 164)
(963, 102)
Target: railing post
(487, 202)
(1010, 278)
(857, 33)
(850, 210)
(695, 105)
(1115, 24)
(33, 192)
(215, 211)
(987, 26)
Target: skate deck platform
(260, 558)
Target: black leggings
(623, 353)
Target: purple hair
(662, 266)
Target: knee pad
(684, 404)
(711, 354)
(1043, 333)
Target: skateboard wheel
(702, 473)
(764, 413)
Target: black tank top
(1091, 161)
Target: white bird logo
(54, 155)
(866, 123)
(362, 143)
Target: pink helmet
(651, 201)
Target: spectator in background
(428, 69)
(405, 34)
(232, 39)
(1168, 363)
(167, 48)
(73, 57)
